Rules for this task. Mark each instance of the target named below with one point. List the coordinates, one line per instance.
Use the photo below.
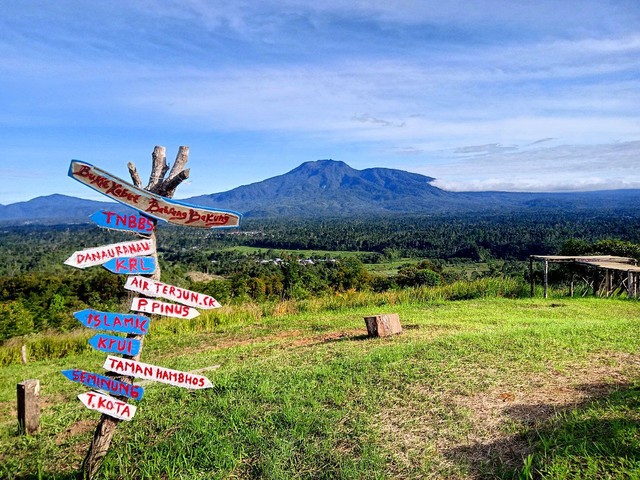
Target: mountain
(327, 188)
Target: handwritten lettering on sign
(114, 322)
(99, 255)
(149, 305)
(108, 405)
(153, 288)
(155, 206)
(159, 374)
(115, 344)
(131, 265)
(129, 222)
(102, 382)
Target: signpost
(149, 305)
(114, 322)
(99, 255)
(108, 405)
(115, 344)
(102, 382)
(156, 206)
(153, 288)
(131, 265)
(129, 222)
(158, 374)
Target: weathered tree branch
(135, 176)
(181, 160)
(169, 186)
(158, 168)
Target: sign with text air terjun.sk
(114, 322)
(102, 382)
(150, 204)
(154, 288)
(159, 374)
(129, 222)
(108, 405)
(115, 344)
(99, 255)
(131, 265)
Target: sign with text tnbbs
(132, 368)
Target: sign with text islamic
(159, 374)
(100, 255)
(154, 288)
(129, 222)
(150, 204)
(114, 322)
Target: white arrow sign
(99, 255)
(162, 308)
(108, 405)
(153, 288)
(132, 368)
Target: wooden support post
(29, 407)
(23, 354)
(546, 279)
(596, 282)
(531, 275)
(107, 425)
(571, 285)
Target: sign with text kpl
(114, 322)
(108, 405)
(150, 204)
(102, 382)
(115, 344)
(129, 222)
(159, 374)
(131, 265)
(154, 288)
(149, 305)
(99, 255)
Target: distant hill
(327, 188)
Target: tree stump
(29, 407)
(383, 325)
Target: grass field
(480, 388)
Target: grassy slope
(475, 388)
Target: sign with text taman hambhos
(156, 307)
(102, 382)
(145, 371)
(128, 222)
(153, 288)
(100, 255)
(156, 206)
(114, 322)
(108, 405)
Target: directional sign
(114, 322)
(153, 288)
(150, 204)
(130, 222)
(102, 382)
(131, 265)
(108, 405)
(99, 255)
(115, 344)
(149, 305)
(159, 374)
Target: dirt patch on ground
(78, 428)
(470, 436)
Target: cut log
(383, 325)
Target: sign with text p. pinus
(156, 206)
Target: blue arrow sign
(115, 344)
(102, 382)
(130, 222)
(114, 322)
(131, 265)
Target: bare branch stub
(169, 186)
(135, 176)
(158, 169)
(181, 160)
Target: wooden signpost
(136, 258)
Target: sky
(510, 95)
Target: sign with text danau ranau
(100, 255)
(150, 204)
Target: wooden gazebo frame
(606, 275)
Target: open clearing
(487, 388)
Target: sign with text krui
(108, 405)
(149, 305)
(131, 265)
(102, 382)
(156, 206)
(129, 222)
(113, 322)
(159, 374)
(115, 344)
(99, 255)
(154, 288)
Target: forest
(271, 260)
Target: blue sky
(482, 95)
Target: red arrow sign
(99, 255)
(107, 404)
(132, 368)
(153, 288)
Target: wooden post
(596, 282)
(571, 285)
(546, 279)
(531, 275)
(23, 354)
(29, 407)
(157, 184)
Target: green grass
(480, 388)
(303, 253)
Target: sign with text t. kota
(150, 204)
